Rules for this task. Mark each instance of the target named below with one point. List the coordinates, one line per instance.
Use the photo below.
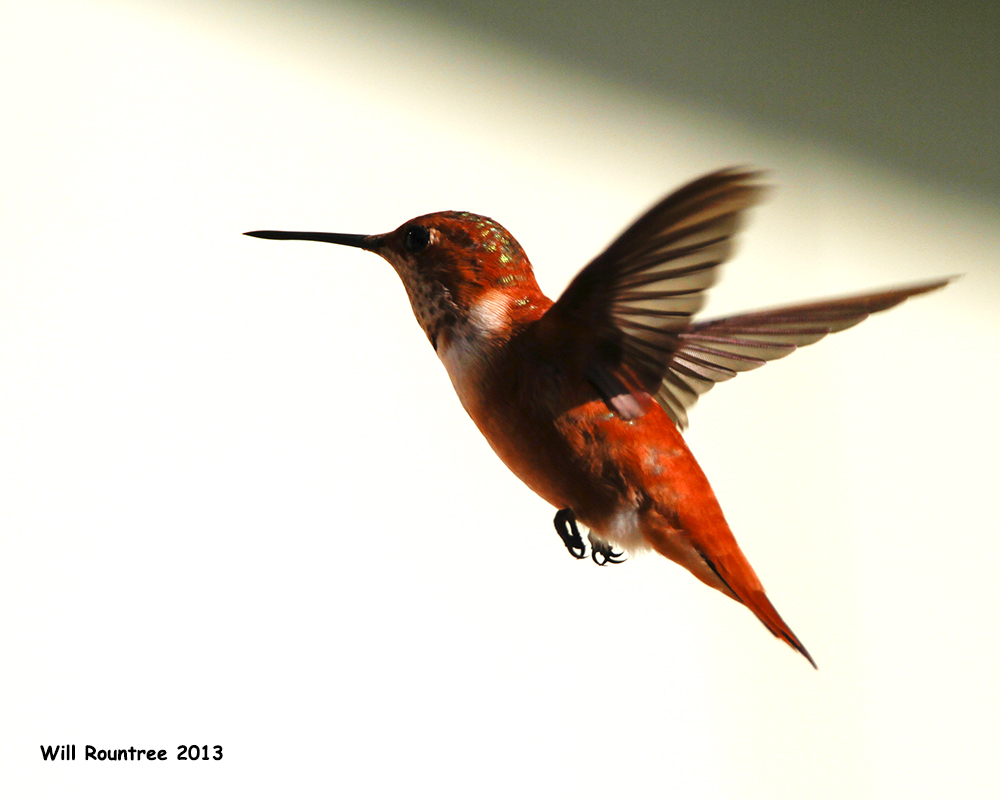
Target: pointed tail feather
(733, 567)
(727, 570)
(758, 603)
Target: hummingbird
(585, 398)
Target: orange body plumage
(584, 398)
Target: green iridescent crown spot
(492, 237)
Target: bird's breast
(469, 348)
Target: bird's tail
(758, 603)
(717, 560)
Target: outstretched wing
(625, 320)
(620, 319)
(717, 349)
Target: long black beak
(349, 239)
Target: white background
(241, 505)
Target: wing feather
(622, 315)
(747, 341)
(625, 320)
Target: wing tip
(742, 177)
(931, 285)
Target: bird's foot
(565, 523)
(603, 553)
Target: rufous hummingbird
(584, 398)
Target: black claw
(604, 554)
(565, 523)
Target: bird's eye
(417, 237)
